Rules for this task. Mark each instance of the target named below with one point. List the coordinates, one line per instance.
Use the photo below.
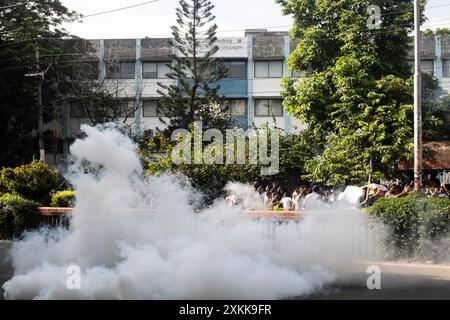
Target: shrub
(420, 226)
(16, 215)
(63, 199)
(33, 181)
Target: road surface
(401, 281)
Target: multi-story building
(252, 88)
(435, 58)
(257, 62)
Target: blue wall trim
(438, 71)
(138, 107)
(287, 53)
(250, 68)
(233, 88)
(101, 65)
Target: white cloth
(299, 203)
(287, 203)
(351, 194)
(375, 186)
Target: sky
(232, 17)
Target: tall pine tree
(195, 69)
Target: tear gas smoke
(171, 252)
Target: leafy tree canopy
(357, 95)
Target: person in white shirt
(287, 203)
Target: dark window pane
(446, 68)
(127, 70)
(163, 69)
(239, 108)
(150, 71)
(275, 69)
(261, 108)
(261, 69)
(126, 109)
(122, 70)
(226, 65)
(276, 108)
(150, 108)
(237, 69)
(160, 111)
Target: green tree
(23, 25)
(356, 97)
(436, 110)
(71, 79)
(34, 181)
(211, 179)
(194, 67)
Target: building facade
(252, 89)
(257, 62)
(435, 58)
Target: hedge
(420, 227)
(16, 215)
(63, 199)
(34, 181)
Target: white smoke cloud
(172, 252)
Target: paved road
(398, 281)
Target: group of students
(375, 192)
(275, 198)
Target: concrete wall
(268, 47)
(427, 48)
(266, 87)
(151, 123)
(150, 87)
(445, 47)
(121, 49)
(155, 49)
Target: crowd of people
(274, 197)
(375, 192)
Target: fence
(362, 239)
(59, 217)
(52, 217)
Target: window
(126, 108)
(155, 70)
(268, 108)
(152, 109)
(122, 70)
(427, 66)
(269, 69)
(446, 68)
(237, 108)
(236, 69)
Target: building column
(438, 58)
(101, 65)
(287, 53)
(250, 77)
(138, 104)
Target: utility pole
(40, 77)
(40, 108)
(417, 103)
